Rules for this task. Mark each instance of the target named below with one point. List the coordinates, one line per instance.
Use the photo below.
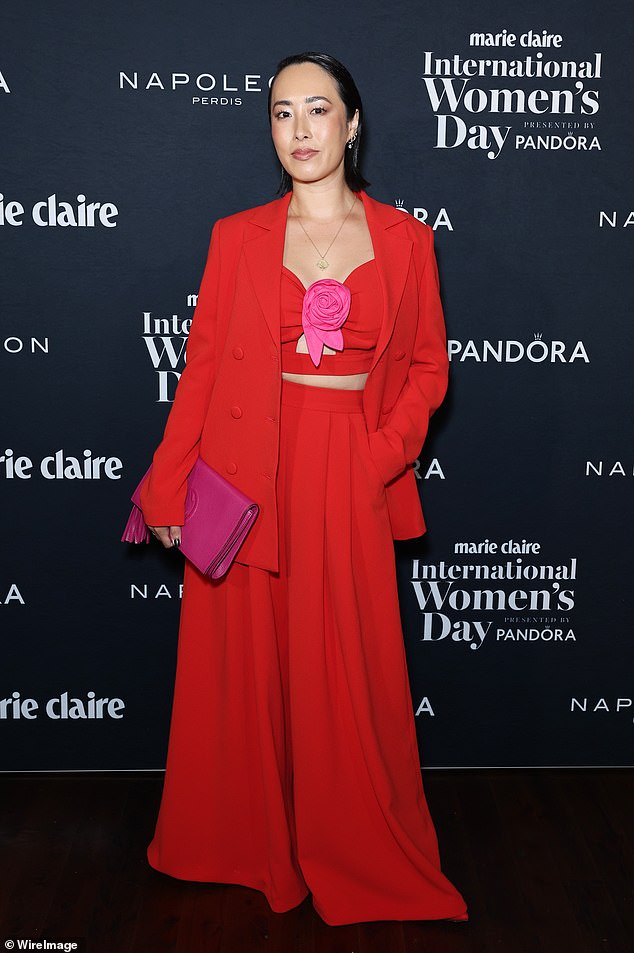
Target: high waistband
(313, 397)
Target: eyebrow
(309, 99)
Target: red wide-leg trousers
(292, 763)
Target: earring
(351, 141)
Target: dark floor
(544, 858)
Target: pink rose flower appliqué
(326, 307)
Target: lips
(304, 153)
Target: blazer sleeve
(398, 443)
(163, 493)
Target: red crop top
(360, 329)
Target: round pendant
(322, 263)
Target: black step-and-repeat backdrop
(126, 131)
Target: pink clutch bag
(218, 517)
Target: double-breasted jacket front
(227, 402)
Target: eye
(319, 110)
(281, 113)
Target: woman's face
(308, 123)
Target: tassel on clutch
(218, 517)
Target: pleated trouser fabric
(292, 762)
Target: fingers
(169, 536)
(162, 534)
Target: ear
(353, 123)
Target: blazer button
(236, 411)
(231, 467)
(398, 355)
(238, 353)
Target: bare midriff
(342, 381)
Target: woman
(292, 764)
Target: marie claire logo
(204, 89)
(452, 596)
(53, 211)
(518, 85)
(61, 466)
(537, 351)
(438, 219)
(61, 707)
(166, 342)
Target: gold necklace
(322, 263)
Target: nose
(301, 129)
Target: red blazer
(227, 401)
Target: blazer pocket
(371, 465)
(387, 452)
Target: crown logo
(538, 335)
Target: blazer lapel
(264, 252)
(392, 252)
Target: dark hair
(351, 100)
